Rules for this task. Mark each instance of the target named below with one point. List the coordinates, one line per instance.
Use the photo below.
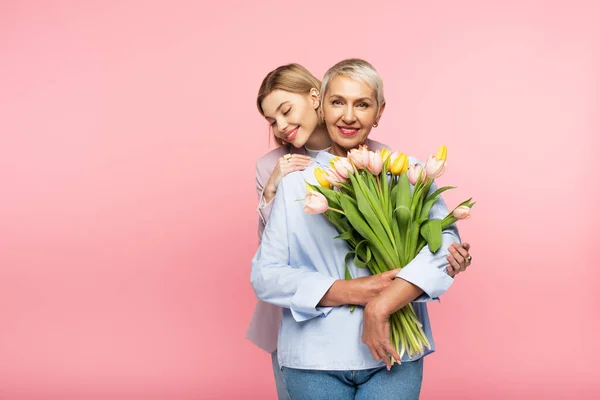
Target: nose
(282, 124)
(348, 117)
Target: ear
(380, 112)
(314, 95)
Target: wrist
(353, 295)
(346, 292)
(379, 307)
(269, 193)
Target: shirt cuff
(424, 298)
(429, 278)
(264, 208)
(309, 294)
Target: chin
(299, 141)
(349, 143)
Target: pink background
(128, 135)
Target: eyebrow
(281, 105)
(357, 100)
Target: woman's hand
(376, 334)
(376, 319)
(285, 165)
(369, 287)
(459, 258)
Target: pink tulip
(414, 171)
(315, 203)
(360, 157)
(343, 168)
(434, 167)
(333, 177)
(462, 212)
(375, 162)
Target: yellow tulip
(393, 157)
(400, 164)
(385, 153)
(332, 161)
(320, 175)
(441, 153)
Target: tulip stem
(336, 210)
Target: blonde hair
(359, 70)
(291, 78)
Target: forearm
(295, 288)
(265, 205)
(269, 193)
(342, 292)
(266, 194)
(394, 297)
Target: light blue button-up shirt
(298, 261)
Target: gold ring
(469, 258)
(287, 157)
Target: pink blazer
(264, 326)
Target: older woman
(299, 266)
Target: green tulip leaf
(431, 231)
(347, 274)
(346, 235)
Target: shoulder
(414, 160)
(375, 145)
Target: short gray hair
(356, 69)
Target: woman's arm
(267, 183)
(358, 291)
(306, 292)
(297, 288)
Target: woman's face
(350, 109)
(293, 116)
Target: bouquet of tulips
(380, 205)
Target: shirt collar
(323, 158)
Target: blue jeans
(402, 382)
(279, 385)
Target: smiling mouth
(291, 135)
(347, 131)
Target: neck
(319, 139)
(340, 151)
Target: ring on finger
(469, 258)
